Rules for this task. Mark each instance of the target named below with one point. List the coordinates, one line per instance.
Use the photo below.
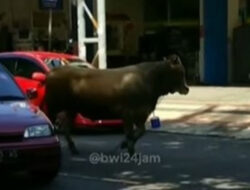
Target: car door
(22, 70)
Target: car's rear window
(8, 88)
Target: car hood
(15, 116)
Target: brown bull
(129, 93)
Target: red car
(27, 138)
(29, 70)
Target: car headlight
(38, 131)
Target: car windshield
(77, 62)
(8, 88)
(53, 63)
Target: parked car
(27, 138)
(29, 70)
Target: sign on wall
(51, 4)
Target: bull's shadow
(186, 162)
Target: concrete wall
(233, 17)
(233, 21)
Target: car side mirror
(32, 93)
(38, 76)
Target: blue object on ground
(155, 122)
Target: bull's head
(176, 75)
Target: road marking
(129, 182)
(78, 159)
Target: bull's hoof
(124, 144)
(131, 151)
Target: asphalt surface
(164, 161)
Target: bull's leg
(60, 119)
(67, 125)
(140, 128)
(52, 115)
(128, 130)
(139, 132)
(124, 144)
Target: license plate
(8, 155)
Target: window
(184, 10)
(156, 10)
(20, 67)
(8, 88)
(115, 38)
(171, 10)
(53, 63)
(245, 13)
(26, 68)
(9, 64)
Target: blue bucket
(155, 122)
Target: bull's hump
(128, 80)
(128, 77)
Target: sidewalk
(220, 111)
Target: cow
(129, 93)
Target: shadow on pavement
(185, 162)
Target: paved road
(176, 162)
(222, 111)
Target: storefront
(210, 43)
(24, 24)
(136, 30)
(214, 45)
(141, 30)
(224, 50)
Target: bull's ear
(175, 59)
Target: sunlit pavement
(181, 162)
(221, 111)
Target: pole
(50, 28)
(70, 16)
(101, 12)
(91, 17)
(201, 51)
(81, 30)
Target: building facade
(27, 24)
(213, 44)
